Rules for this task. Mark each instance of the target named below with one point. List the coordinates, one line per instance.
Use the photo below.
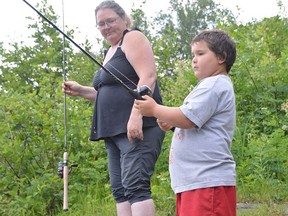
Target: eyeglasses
(108, 22)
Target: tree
(188, 18)
(31, 109)
(32, 133)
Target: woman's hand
(71, 88)
(134, 126)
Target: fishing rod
(65, 154)
(144, 90)
(63, 169)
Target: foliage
(173, 30)
(140, 20)
(32, 107)
(185, 19)
(260, 81)
(32, 133)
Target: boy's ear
(222, 58)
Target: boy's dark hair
(220, 43)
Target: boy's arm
(170, 115)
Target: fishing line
(133, 92)
(64, 79)
(122, 74)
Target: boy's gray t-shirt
(201, 157)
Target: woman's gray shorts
(131, 165)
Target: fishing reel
(61, 165)
(144, 90)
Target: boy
(201, 165)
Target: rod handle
(65, 180)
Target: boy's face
(205, 63)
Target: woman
(133, 142)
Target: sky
(79, 14)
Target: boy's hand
(146, 106)
(164, 126)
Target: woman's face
(111, 25)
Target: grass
(108, 209)
(93, 206)
(253, 200)
(263, 210)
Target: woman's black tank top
(113, 102)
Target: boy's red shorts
(220, 201)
